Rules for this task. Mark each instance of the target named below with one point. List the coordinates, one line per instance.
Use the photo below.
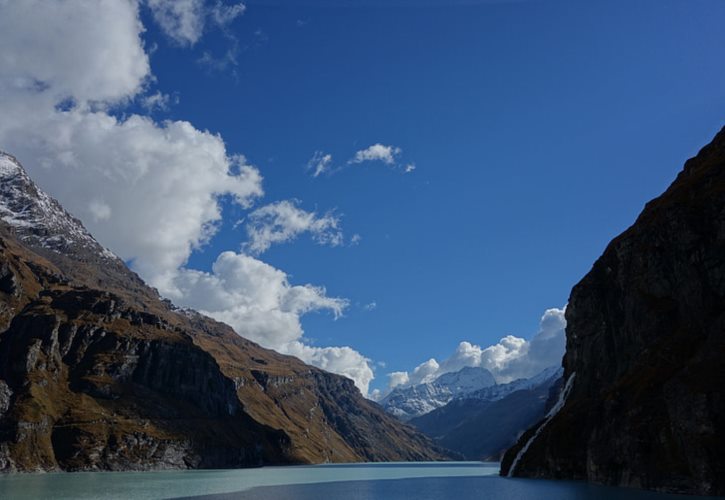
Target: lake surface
(389, 481)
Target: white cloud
(398, 378)
(180, 20)
(343, 360)
(319, 163)
(253, 297)
(184, 20)
(258, 301)
(284, 221)
(371, 306)
(89, 50)
(140, 171)
(377, 152)
(156, 101)
(148, 190)
(126, 178)
(223, 14)
(511, 358)
(425, 372)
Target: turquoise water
(389, 481)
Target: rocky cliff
(98, 373)
(645, 351)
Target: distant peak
(38, 219)
(9, 166)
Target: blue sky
(538, 131)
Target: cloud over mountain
(509, 359)
(149, 190)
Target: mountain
(98, 373)
(644, 402)
(500, 391)
(482, 428)
(408, 402)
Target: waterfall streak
(552, 413)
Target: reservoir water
(387, 481)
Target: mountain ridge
(97, 372)
(484, 424)
(413, 401)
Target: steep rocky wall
(646, 340)
(114, 380)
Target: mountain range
(483, 425)
(416, 400)
(469, 413)
(97, 372)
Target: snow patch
(38, 219)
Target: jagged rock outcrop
(98, 373)
(646, 343)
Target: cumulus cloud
(342, 360)
(253, 297)
(396, 379)
(88, 50)
(150, 190)
(113, 173)
(509, 359)
(284, 221)
(319, 163)
(377, 152)
(156, 101)
(183, 21)
(258, 301)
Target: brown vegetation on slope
(116, 378)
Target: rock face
(98, 373)
(646, 343)
(484, 424)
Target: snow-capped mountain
(484, 428)
(88, 348)
(38, 219)
(43, 225)
(467, 383)
(408, 402)
(500, 391)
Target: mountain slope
(483, 428)
(97, 372)
(409, 402)
(645, 349)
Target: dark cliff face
(97, 372)
(646, 340)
